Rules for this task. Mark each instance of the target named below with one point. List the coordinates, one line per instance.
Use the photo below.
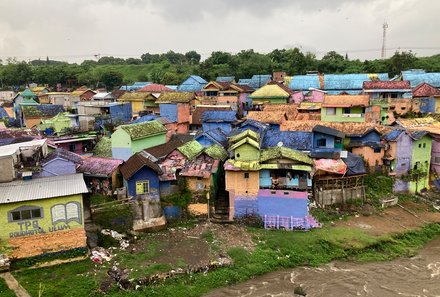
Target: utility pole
(384, 39)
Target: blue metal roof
(192, 83)
(219, 116)
(295, 140)
(217, 135)
(416, 135)
(244, 81)
(393, 135)
(304, 82)
(417, 77)
(3, 113)
(350, 92)
(172, 87)
(259, 80)
(225, 78)
(136, 86)
(350, 81)
(145, 118)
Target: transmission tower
(384, 40)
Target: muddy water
(417, 276)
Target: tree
(111, 61)
(170, 78)
(133, 61)
(193, 57)
(401, 61)
(111, 78)
(148, 58)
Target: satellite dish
(280, 143)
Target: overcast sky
(74, 30)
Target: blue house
(327, 142)
(211, 137)
(192, 84)
(222, 119)
(352, 84)
(120, 111)
(60, 162)
(296, 140)
(249, 124)
(141, 177)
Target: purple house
(398, 157)
(60, 162)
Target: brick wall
(33, 245)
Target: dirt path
(14, 285)
(400, 218)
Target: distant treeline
(173, 68)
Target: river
(417, 276)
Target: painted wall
(283, 203)
(168, 111)
(236, 181)
(371, 157)
(435, 154)
(402, 162)
(76, 147)
(315, 96)
(122, 112)
(183, 113)
(50, 233)
(57, 166)
(427, 105)
(339, 116)
(145, 173)
(123, 147)
(297, 98)
(284, 181)
(246, 152)
(421, 157)
(144, 143)
(198, 185)
(330, 142)
(232, 101)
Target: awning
(330, 165)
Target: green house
(420, 161)
(130, 139)
(271, 93)
(43, 215)
(344, 108)
(59, 123)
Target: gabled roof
(393, 135)
(219, 116)
(27, 93)
(216, 135)
(245, 140)
(98, 166)
(270, 117)
(346, 100)
(192, 83)
(416, 77)
(245, 134)
(43, 110)
(175, 97)
(198, 112)
(387, 85)
(296, 140)
(142, 130)
(63, 154)
(155, 88)
(279, 152)
(425, 90)
(229, 79)
(203, 166)
(216, 152)
(259, 80)
(42, 188)
(135, 163)
(416, 135)
(191, 149)
(328, 131)
(270, 91)
(131, 96)
(162, 150)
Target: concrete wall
(7, 170)
(339, 116)
(235, 181)
(372, 158)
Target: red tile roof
(425, 90)
(346, 100)
(386, 85)
(155, 88)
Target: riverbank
(253, 251)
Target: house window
(331, 111)
(199, 178)
(424, 145)
(347, 110)
(321, 142)
(417, 166)
(142, 187)
(420, 145)
(25, 213)
(246, 175)
(72, 147)
(377, 149)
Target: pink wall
(315, 96)
(297, 98)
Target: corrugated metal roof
(270, 91)
(296, 140)
(418, 77)
(225, 79)
(219, 116)
(304, 82)
(42, 188)
(259, 80)
(7, 150)
(351, 81)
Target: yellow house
(140, 102)
(43, 215)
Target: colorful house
(176, 106)
(59, 124)
(327, 142)
(368, 145)
(192, 84)
(78, 144)
(420, 161)
(273, 94)
(196, 116)
(140, 102)
(59, 162)
(258, 80)
(387, 89)
(273, 118)
(37, 221)
(81, 94)
(101, 174)
(218, 119)
(211, 137)
(426, 98)
(155, 89)
(344, 108)
(130, 139)
(296, 140)
(34, 114)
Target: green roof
(243, 141)
(103, 148)
(191, 149)
(175, 97)
(280, 152)
(27, 93)
(145, 129)
(217, 152)
(244, 134)
(270, 91)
